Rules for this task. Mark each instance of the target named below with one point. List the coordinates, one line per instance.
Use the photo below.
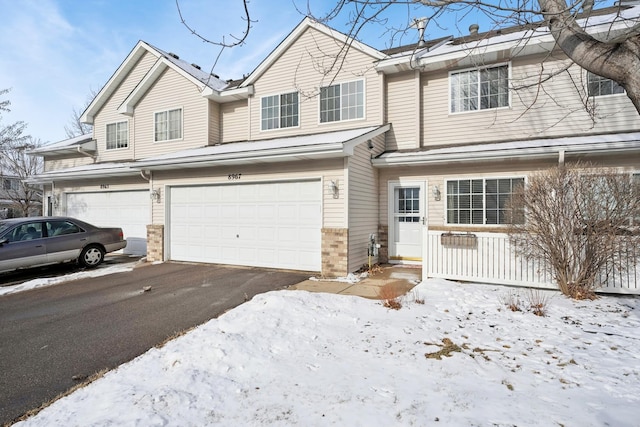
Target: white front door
(407, 216)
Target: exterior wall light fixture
(334, 189)
(155, 195)
(436, 192)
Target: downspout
(81, 151)
(561, 157)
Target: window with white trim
(602, 86)
(279, 111)
(481, 201)
(479, 89)
(117, 135)
(343, 101)
(168, 125)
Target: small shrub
(390, 296)
(538, 302)
(512, 301)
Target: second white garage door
(128, 210)
(259, 224)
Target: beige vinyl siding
(403, 94)
(56, 163)
(234, 120)
(109, 113)
(437, 175)
(363, 205)
(334, 215)
(171, 91)
(298, 69)
(214, 123)
(553, 109)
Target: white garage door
(264, 225)
(128, 210)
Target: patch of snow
(300, 358)
(50, 281)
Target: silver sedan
(35, 241)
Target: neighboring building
(416, 148)
(13, 198)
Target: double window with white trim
(117, 135)
(479, 89)
(481, 201)
(342, 101)
(168, 125)
(279, 111)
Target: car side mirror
(3, 241)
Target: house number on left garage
(234, 176)
(104, 186)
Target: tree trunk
(615, 60)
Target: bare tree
(16, 167)
(12, 133)
(76, 127)
(580, 222)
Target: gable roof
(164, 60)
(303, 26)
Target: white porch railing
(488, 258)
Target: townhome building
(332, 154)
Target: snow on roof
(609, 21)
(532, 147)
(294, 144)
(194, 70)
(76, 140)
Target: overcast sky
(55, 52)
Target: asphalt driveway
(52, 337)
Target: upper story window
(481, 201)
(168, 125)
(10, 184)
(117, 135)
(479, 89)
(343, 101)
(601, 86)
(279, 111)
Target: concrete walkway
(401, 277)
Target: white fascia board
(423, 158)
(83, 173)
(118, 76)
(223, 96)
(295, 34)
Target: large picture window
(117, 135)
(168, 125)
(601, 86)
(279, 111)
(344, 101)
(481, 201)
(479, 89)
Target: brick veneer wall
(383, 240)
(155, 242)
(335, 243)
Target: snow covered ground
(298, 358)
(50, 281)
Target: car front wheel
(91, 256)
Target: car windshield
(3, 226)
